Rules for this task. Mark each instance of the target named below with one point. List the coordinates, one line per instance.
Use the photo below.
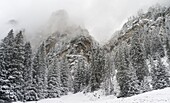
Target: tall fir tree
(121, 75)
(80, 78)
(134, 87)
(6, 61)
(168, 48)
(29, 91)
(64, 76)
(18, 66)
(40, 72)
(160, 77)
(157, 46)
(147, 45)
(54, 87)
(126, 74)
(109, 71)
(97, 68)
(35, 73)
(137, 58)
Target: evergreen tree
(84, 73)
(157, 46)
(160, 76)
(54, 88)
(147, 45)
(29, 91)
(168, 48)
(77, 81)
(97, 68)
(121, 74)
(28, 57)
(80, 78)
(6, 54)
(18, 66)
(137, 58)
(35, 73)
(126, 74)
(40, 72)
(64, 76)
(133, 82)
(108, 84)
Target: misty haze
(84, 51)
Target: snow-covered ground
(157, 96)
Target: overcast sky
(100, 17)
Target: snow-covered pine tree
(156, 45)
(35, 73)
(84, 73)
(18, 66)
(151, 71)
(109, 71)
(147, 45)
(121, 75)
(54, 89)
(80, 78)
(28, 57)
(126, 74)
(64, 76)
(97, 68)
(42, 80)
(93, 82)
(133, 82)
(40, 72)
(160, 75)
(29, 91)
(137, 58)
(168, 48)
(77, 81)
(6, 54)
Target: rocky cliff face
(73, 48)
(145, 23)
(128, 54)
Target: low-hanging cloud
(100, 17)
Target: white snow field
(157, 96)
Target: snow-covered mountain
(155, 18)
(59, 26)
(140, 51)
(72, 52)
(68, 59)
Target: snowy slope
(157, 96)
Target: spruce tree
(29, 91)
(6, 57)
(121, 74)
(64, 76)
(35, 73)
(77, 81)
(160, 76)
(97, 68)
(40, 72)
(108, 84)
(137, 58)
(157, 46)
(147, 45)
(18, 66)
(168, 48)
(133, 81)
(80, 75)
(126, 74)
(54, 89)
